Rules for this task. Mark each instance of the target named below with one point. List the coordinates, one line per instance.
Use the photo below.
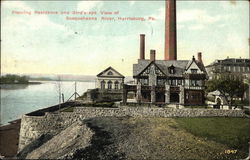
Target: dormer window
(194, 71)
(171, 69)
(110, 73)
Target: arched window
(102, 84)
(109, 85)
(116, 84)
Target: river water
(17, 100)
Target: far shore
(23, 83)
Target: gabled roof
(163, 65)
(106, 70)
(152, 62)
(191, 62)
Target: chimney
(199, 57)
(152, 55)
(170, 30)
(142, 46)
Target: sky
(51, 44)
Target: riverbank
(142, 138)
(9, 133)
(9, 138)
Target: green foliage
(234, 132)
(12, 79)
(229, 88)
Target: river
(17, 99)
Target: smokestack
(142, 46)
(170, 30)
(152, 55)
(199, 57)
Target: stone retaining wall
(32, 127)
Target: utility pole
(75, 90)
(75, 94)
(59, 92)
(62, 97)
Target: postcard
(125, 80)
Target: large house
(235, 68)
(168, 81)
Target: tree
(227, 87)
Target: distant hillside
(65, 77)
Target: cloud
(196, 15)
(88, 5)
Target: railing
(194, 87)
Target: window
(160, 81)
(194, 83)
(144, 81)
(109, 85)
(194, 71)
(225, 68)
(116, 84)
(179, 82)
(173, 82)
(110, 73)
(171, 69)
(102, 84)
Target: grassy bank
(234, 132)
(158, 138)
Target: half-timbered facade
(168, 81)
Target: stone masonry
(32, 127)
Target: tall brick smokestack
(170, 30)
(142, 46)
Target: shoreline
(21, 83)
(9, 138)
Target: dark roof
(230, 61)
(110, 68)
(180, 66)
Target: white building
(110, 79)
